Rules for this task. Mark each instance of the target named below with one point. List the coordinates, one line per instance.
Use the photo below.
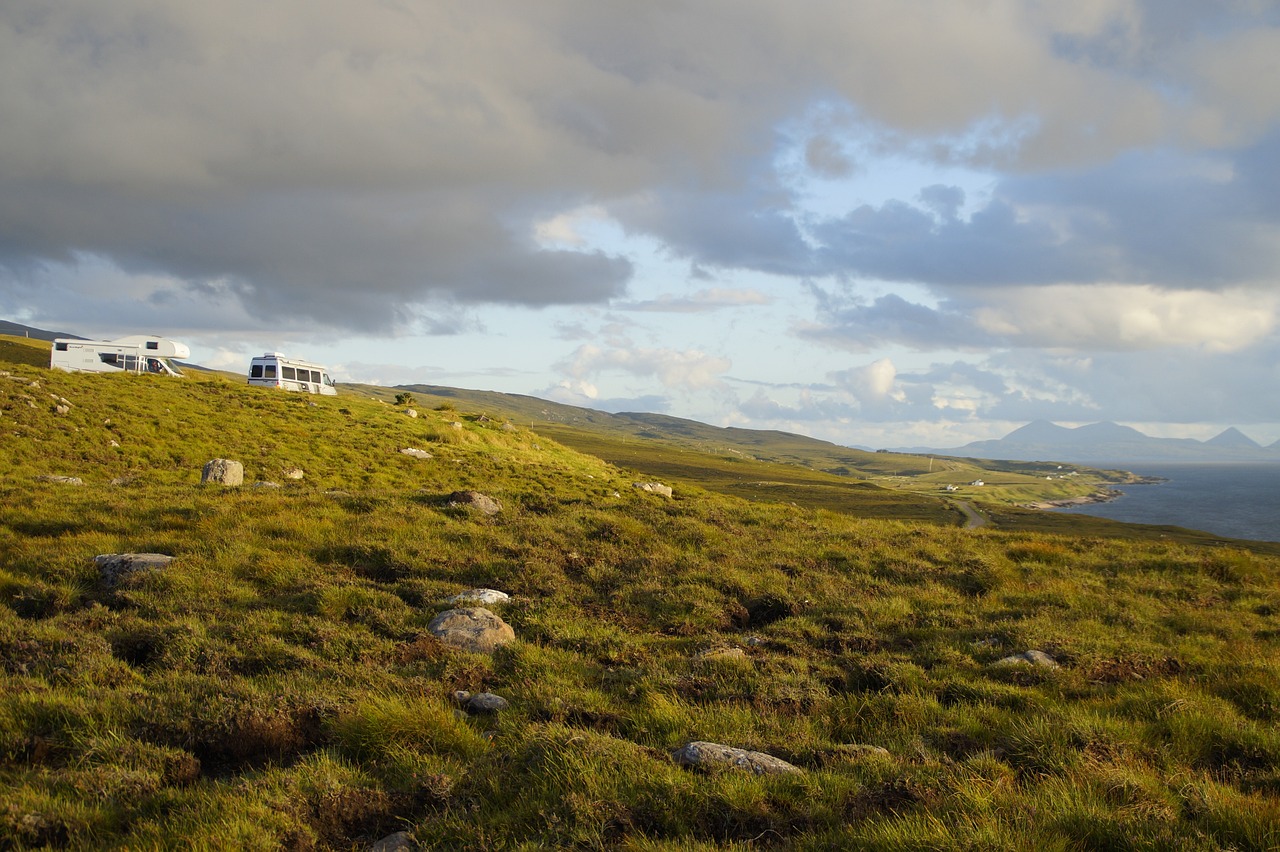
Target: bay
(1231, 500)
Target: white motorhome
(135, 354)
(274, 370)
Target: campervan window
(61, 347)
(269, 371)
(286, 373)
(255, 371)
(153, 344)
(315, 376)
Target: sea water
(1231, 500)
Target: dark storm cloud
(348, 162)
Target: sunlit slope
(278, 685)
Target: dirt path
(972, 517)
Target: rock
(411, 412)
(475, 500)
(1029, 658)
(507, 427)
(401, 841)
(62, 409)
(265, 484)
(754, 641)
(461, 696)
(474, 629)
(417, 453)
(653, 488)
(714, 754)
(223, 472)
(114, 567)
(61, 480)
(720, 654)
(294, 473)
(479, 596)
(863, 750)
(486, 702)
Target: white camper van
(135, 354)
(274, 370)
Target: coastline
(1105, 495)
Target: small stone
(487, 702)
(714, 754)
(114, 567)
(722, 654)
(653, 488)
(754, 641)
(482, 502)
(474, 629)
(1035, 658)
(294, 473)
(262, 483)
(411, 412)
(461, 696)
(401, 841)
(61, 480)
(479, 596)
(417, 453)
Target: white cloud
(688, 369)
(1127, 317)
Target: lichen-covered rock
(474, 629)
(60, 480)
(475, 500)
(416, 453)
(479, 596)
(653, 488)
(114, 567)
(223, 472)
(1029, 658)
(717, 755)
(295, 473)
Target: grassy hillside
(275, 686)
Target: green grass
(275, 686)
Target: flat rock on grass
(713, 755)
(474, 499)
(474, 629)
(479, 596)
(114, 567)
(61, 480)
(1029, 658)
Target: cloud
(346, 162)
(688, 370)
(702, 301)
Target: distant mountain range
(1109, 442)
(20, 330)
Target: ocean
(1231, 500)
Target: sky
(883, 223)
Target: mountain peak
(1232, 437)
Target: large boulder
(712, 755)
(223, 472)
(474, 629)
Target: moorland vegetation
(275, 685)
